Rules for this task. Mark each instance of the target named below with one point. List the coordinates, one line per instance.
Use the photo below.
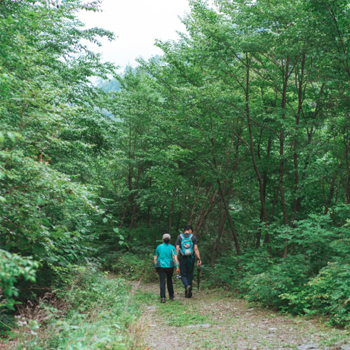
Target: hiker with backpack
(165, 259)
(187, 248)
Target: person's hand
(199, 262)
(155, 270)
(177, 270)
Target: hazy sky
(136, 24)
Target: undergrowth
(132, 264)
(94, 312)
(312, 280)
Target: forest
(240, 128)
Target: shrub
(328, 294)
(97, 312)
(131, 266)
(12, 267)
(289, 275)
(232, 269)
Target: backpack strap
(182, 236)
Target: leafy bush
(231, 269)
(327, 293)
(13, 267)
(127, 258)
(313, 279)
(131, 266)
(289, 275)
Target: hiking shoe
(162, 300)
(172, 298)
(188, 292)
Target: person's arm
(176, 262)
(175, 258)
(177, 245)
(196, 251)
(155, 258)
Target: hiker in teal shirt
(165, 259)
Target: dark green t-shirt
(164, 254)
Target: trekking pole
(198, 276)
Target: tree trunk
(295, 145)
(149, 207)
(195, 203)
(161, 215)
(220, 231)
(148, 216)
(251, 143)
(347, 188)
(171, 211)
(178, 222)
(233, 229)
(281, 168)
(134, 198)
(331, 190)
(201, 219)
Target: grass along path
(213, 320)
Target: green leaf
(11, 136)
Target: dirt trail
(210, 320)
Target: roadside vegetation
(241, 128)
(92, 311)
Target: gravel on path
(211, 320)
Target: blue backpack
(186, 245)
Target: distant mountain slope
(113, 85)
(109, 85)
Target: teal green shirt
(164, 253)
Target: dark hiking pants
(168, 273)
(186, 270)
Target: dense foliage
(241, 128)
(50, 125)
